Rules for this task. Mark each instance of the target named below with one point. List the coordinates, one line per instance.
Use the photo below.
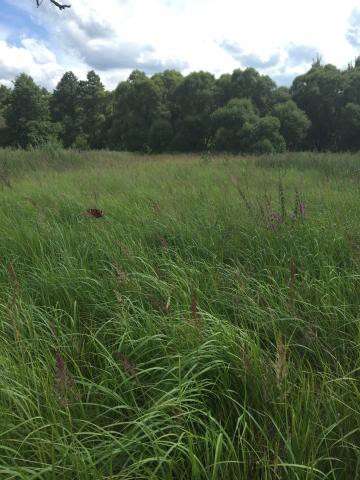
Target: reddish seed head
(164, 243)
(128, 367)
(94, 212)
(194, 308)
(11, 272)
(60, 364)
(160, 305)
(64, 382)
(195, 315)
(275, 219)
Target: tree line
(239, 112)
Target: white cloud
(32, 57)
(39, 52)
(353, 33)
(114, 36)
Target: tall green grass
(206, 327)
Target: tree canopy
(239, 112)
(27, 114)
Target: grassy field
(207, 326)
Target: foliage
(294, 124)
(81, 107)
(350, 125)
(240, 129)
(171, 112)
(27, 114)
(259, 88)
(136, 107)
(66, 109)
(318, 93)
(234, 125)
(4, 131)
(4, 96)
(267, 136)
(193, 103)
(93, 102)
(161, 135)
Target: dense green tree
(137, 76)
(282, 95)
(234, 125)
(194, 101)
(243, 111)
(83, 108)
(93, 105)
(4, 131)
(267, 136)
(137, 105)
(259, 88)
(350, 127)
(223, 89)
(294, 124)
(160, 135)
(162, 131)
(349, 124)
(167, 81)
(351, 85)
(41, 132)
(319, 93)
(27, 114)
(65, 108)
(239, 128)
(4, 96)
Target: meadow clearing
(201, 322)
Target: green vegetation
(244, 112)
(205, 326)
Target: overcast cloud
(116, 36)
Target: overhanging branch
(60, 6)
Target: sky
(280, 38)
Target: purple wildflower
(302, 209)
(275, 220)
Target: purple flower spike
(302, 209)
(275, 220)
